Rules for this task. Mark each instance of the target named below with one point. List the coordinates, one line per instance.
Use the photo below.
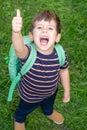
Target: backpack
(14, 63)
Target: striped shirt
(42, 79)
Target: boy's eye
(39, 27)
(50, 28)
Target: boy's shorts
(25, 108)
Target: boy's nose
(45, 29)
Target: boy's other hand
(66, 97)
(17, 22)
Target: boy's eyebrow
(37, 24)
(42, 25)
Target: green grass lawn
(73, 15)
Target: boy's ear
(31, 36)
(58, 37)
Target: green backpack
(14, 63)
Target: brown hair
(46, 15)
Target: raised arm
(20, 49)
(65, 81)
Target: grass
(73, 16)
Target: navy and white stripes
(42, 79)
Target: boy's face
(44, 36)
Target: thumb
(18, 13)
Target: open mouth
(44, 41)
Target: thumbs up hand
(17, 22)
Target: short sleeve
(66, 64)
(22, 61)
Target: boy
(38, 87)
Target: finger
(18, 13)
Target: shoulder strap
(32, 57)
(61, 54)
(27, 66)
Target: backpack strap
(32, 57)
(61, 54)
(27, 66)
(13, 64)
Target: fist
(17, 22)
(66, 97)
